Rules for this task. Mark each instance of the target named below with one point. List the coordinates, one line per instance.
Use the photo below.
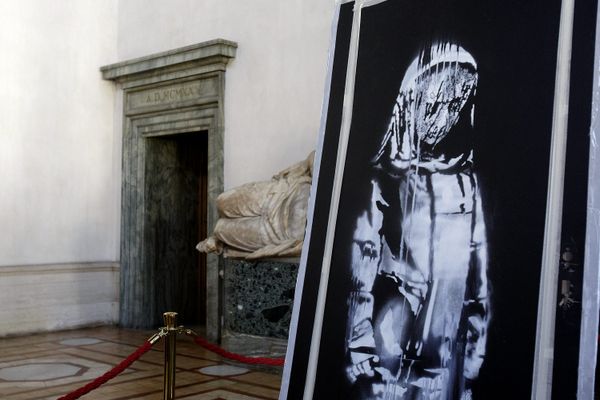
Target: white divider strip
(335, 201)
(588, 347)
(544, 346)
(311, 210)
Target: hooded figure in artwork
(418, 310)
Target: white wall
(59, 153)
(274, 86)
(59, 165)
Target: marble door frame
(173, 92)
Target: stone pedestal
(258, 297)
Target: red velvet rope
(232, 356)
(110, 374)
(123, 365)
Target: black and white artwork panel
(433, 281)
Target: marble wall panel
(58, 296)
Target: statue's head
(436, 92)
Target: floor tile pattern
(223, 370)
(47, 366)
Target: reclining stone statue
(263, 219)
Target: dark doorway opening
(176, 220)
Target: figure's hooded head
(435, 96)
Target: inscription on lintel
(173, 94)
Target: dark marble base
(258, 297)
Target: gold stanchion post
(170, 319)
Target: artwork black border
(298, 353)
(309, 276)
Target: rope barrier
(110, 374)
(169, 332)
(278, 362)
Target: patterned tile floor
(47, 366)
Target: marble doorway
(171, 101)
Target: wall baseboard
(51, 297)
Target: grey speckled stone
(223, 370)
(258, 297)
(80, 341)
(39, 372)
